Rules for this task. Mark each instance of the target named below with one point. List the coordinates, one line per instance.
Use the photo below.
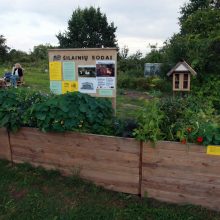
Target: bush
(69, 112)
(208, 87)
(15, 107)
(188, 118)
(126, 81)
(74, 112)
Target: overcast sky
(27, 23)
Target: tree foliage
(196, 5)
(88, 28)
(199, 39)
(3, 49)
(40, 51)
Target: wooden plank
(77, 139)
(5, 151)
(128, 159)
(205, 160)
(157, 153)
(176, 146)
(184, 164)
(183, 186)
(182, 198)
(69, 162)
(181, 175)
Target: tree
(88, 28)
(155, 55)
(18, 56)
(198, 41)
(40, 51)
(3, 49)
(195, 5)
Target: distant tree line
(198, 41)
(8, 55)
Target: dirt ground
(137, 94)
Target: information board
(87, 70)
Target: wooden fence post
(140, 167)
(5, 148)
(9, 141)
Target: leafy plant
(206, 133)
(74, 112)
(15, 105)
(149, 122)
(189, 118)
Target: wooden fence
(170, 172)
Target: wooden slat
(183, 186)
(181, 175)
(128, 145)
(182, 198)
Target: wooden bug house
(181, 74)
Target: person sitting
(17, 75)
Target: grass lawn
(28, 193)
(35, 77)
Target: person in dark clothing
(17, 74)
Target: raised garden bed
(171, 171)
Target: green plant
(205, 133)
(149, 121)
(15, 106)
(74, 112)
(208, 87)
(186, 118)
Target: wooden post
(140, 167)
(114, 104)
(9, 141)
(5, 148)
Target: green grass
(127, 107)
(28, 193)
(35, 77)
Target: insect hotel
(181, 73)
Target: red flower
(183, 141)
(199, 139)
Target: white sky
(27, 23)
